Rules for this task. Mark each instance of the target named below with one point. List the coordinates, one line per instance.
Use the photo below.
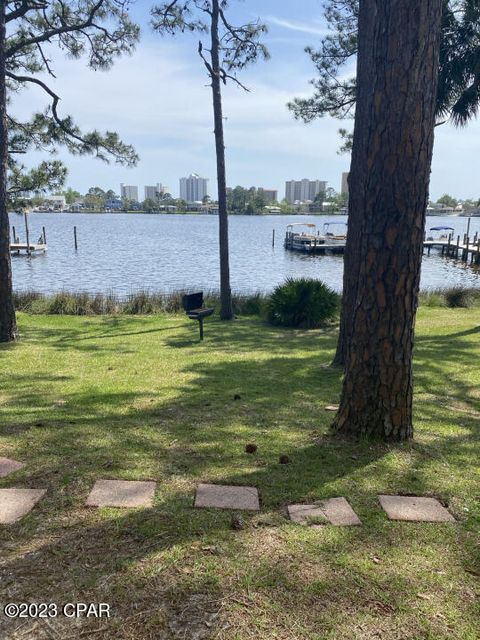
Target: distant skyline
(158, 101)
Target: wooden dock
(318, 248)
(22, 248)
(27, 248)
(466, 249)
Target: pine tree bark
(226, 311)
(8, 328)
(392, 149)
(350, 269)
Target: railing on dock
(27, 248)
(466, 249)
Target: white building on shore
(303, 190)
(129, 191)
(153, 192)
(193, 188)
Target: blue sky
(158, 101)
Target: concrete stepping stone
(121, 493)
(336, 511)
(220, 496)
(312, 514)
(332, 407)
(8, 466)
(415, 509)
(15, 503)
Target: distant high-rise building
(128, 191)
(154, 191)
(270, 195)
(193, 188)
(344, 190)
(303, 190)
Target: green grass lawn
(139, 398)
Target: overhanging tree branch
(100, 30)
(48, 35)
(458, 93)
(54, 103)
(24, 8)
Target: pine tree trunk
(8, 328)
(391, 157)
(357, 180)
(226, 312)
(350, 267)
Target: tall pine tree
(397, 74)
(99, 30)
(231, 49)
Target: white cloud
(158, 101)
(293, 25)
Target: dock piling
(467, 250)
(75, 238)
(27, 232)
(273, 238)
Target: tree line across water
(240, 200)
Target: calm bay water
(122, 253)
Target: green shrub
(459, 297)
(303, 303)
(249, 305)
(138, 303)
(62, 303)
(172, 302)
(26, 300)
(433, 299)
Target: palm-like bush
(303, 303)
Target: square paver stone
(416, 509)
(15, 503)
(121, 493)
(336, 511)
(227, 497)
(9, 466)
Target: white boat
(335, 233)
(306, 239)
(440, 234)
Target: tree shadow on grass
(440, 362)
(156, 566)
(143, 561)
(205, 421)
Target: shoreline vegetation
(198, 213)
(292, 210)
(156, 303)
